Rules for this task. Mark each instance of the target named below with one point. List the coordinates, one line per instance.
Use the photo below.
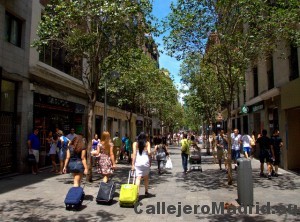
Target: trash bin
(244, 182)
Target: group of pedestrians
(269, 149)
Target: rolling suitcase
(74, 198)
(129, 192)
(106, 192)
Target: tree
(95, 33)
(230, 34)
(203, 91)
(165, 101)
(139, 76)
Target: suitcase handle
(134, 177)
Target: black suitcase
(74, 198)
(106, 192)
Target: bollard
(244, 182)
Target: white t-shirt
(246, 140)
(71, 136)
(235, 141)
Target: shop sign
(244, 109)
(257, 107)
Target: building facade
(40, 90)
(271, 100)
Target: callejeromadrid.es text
(214, 208)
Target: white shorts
(36, 154)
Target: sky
(161, 8)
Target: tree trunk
(91, 108)
(229, 126)
(129, 120)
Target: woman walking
(161, 155)
(76, 160)
(52, 152)
(141, 161)
(106, 156)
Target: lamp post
(113, 75)
(105, 105)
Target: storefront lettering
(257, 108)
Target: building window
(244, 96)
(7, 89)
(294, 65)
(13, 29)
(270, 72)
(56, 57)
(255, 81)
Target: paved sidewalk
(41, 197)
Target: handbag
(169, 164)
(31, 159)
(75, 166)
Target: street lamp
(113, 75)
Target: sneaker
(269, 177)
(147, 194)
(262, 175)
(273, 173)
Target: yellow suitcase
(129, 192)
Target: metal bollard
(244, 182)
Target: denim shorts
(247, 149)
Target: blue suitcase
(74, 198)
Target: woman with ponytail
(106, 157)
(141, 160)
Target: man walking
(34, 146)
(72, 134)
(235, 149)
(117, 146)
(185, 151)
(266, 153)
(222, 147)
(277, 143)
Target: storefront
(290, 122)
(255, 112)
(51, 113)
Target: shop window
(7, 96)
(13, 29)
(255, 81)
(294, 65)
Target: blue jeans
(235, 154)
(184, 158)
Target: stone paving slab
(40, 197)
